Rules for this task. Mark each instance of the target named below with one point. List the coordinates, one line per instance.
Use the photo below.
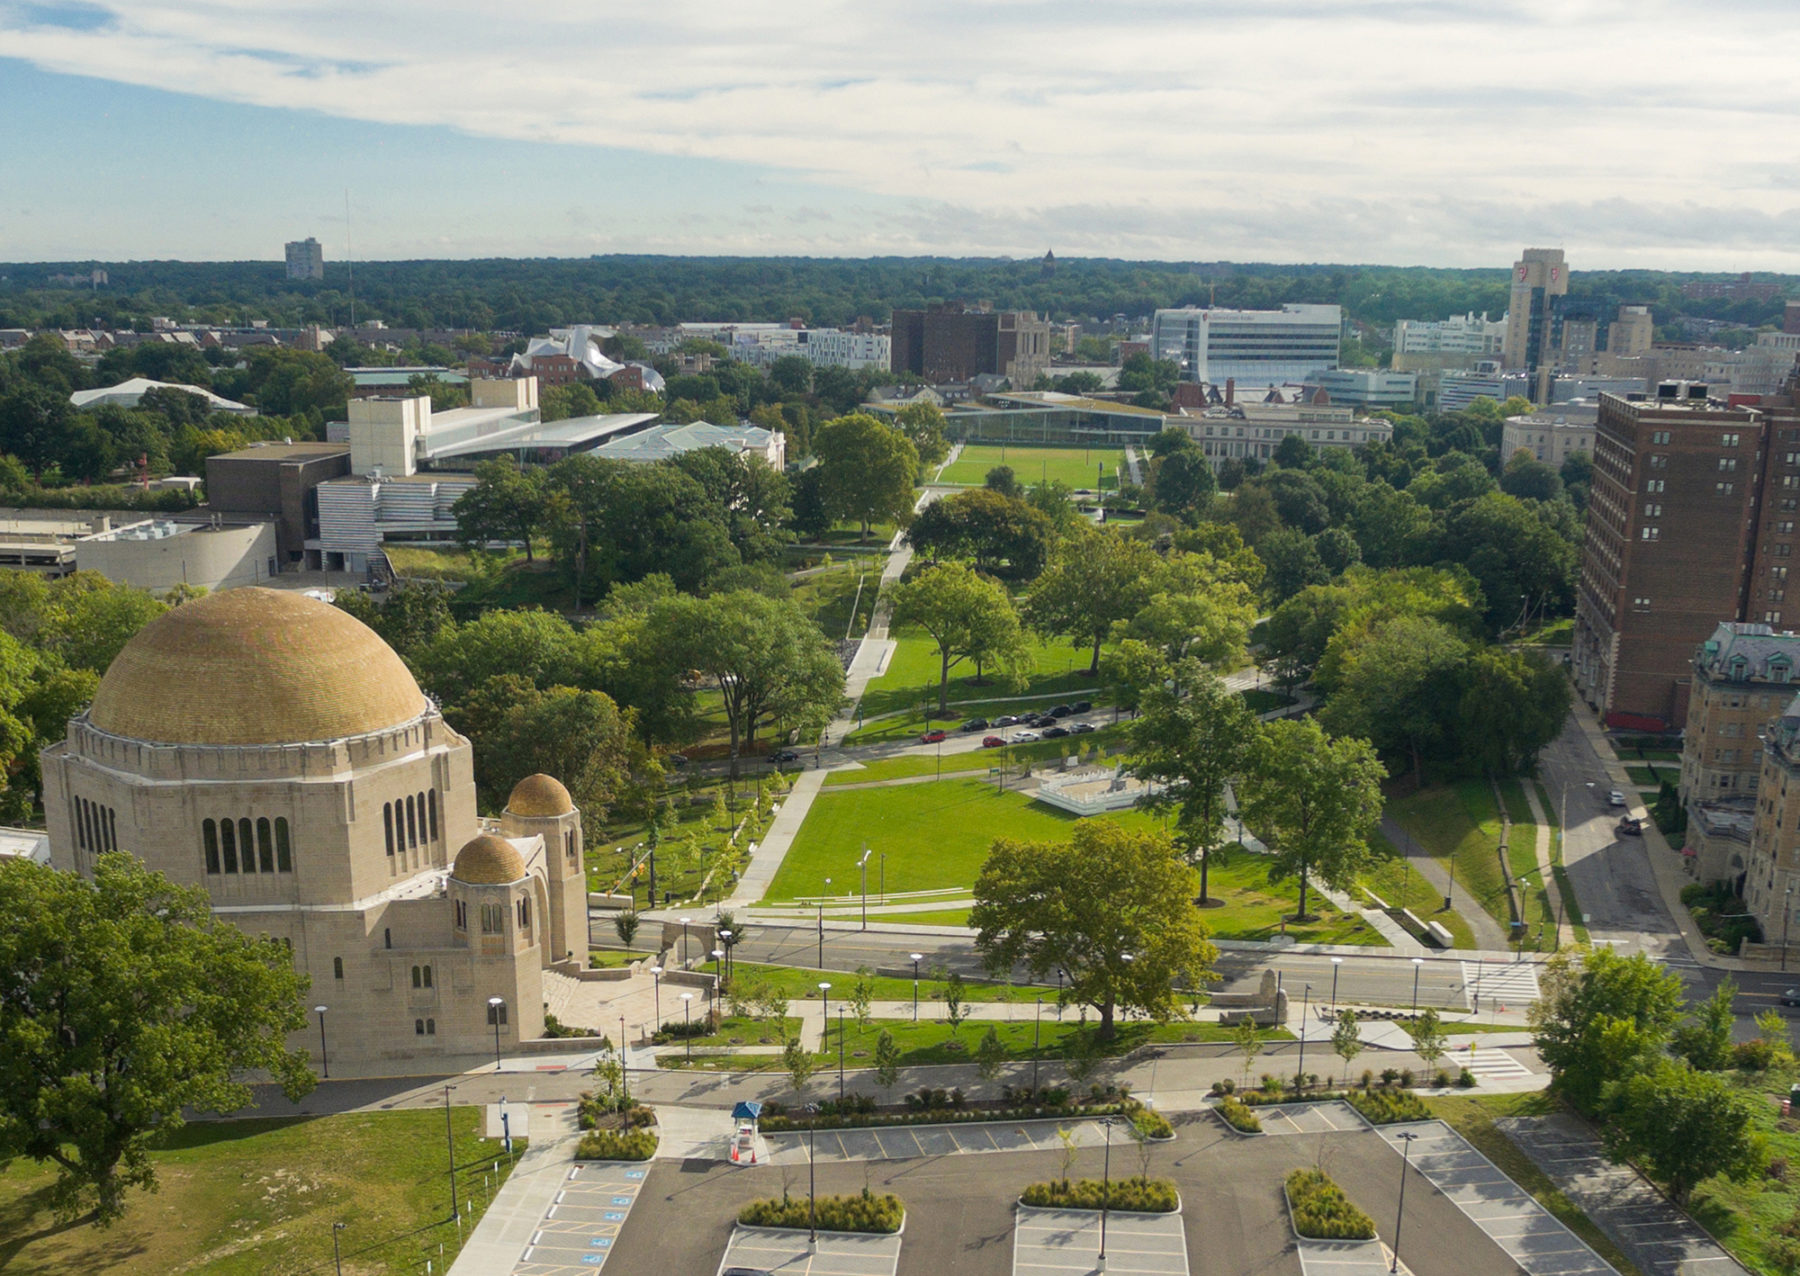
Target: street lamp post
(822, 927)
(1335, 963)
(687, 999)
(883, 891)
(656, 973)
(495, 1005)
(1407, 1137)
(840, 1054)
(1060, 975)
(1037, 1035)
(916, 959)
(1787, 916)
(324, 1058)
(863, 864)
(725, 937)
(1305, 1013)
(718, 956)
(1418, 965)
(336, 1258)
(825, 1002)
(812, 1222)
(1105, 1188)
(450, 1140)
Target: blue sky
(1438, 132)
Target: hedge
(613, 1145)
(1322, 1212)
(1239, 1116)
(1143, 1196)
(1383, 1107)
(1152, 1125)
(864, 1213)
(783, 1124)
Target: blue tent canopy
(747, 1110)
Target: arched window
(228, 844)
(112, 830)
(337, 967)
(265, 845)
(284, 857)
(415, 977)
(424, 828)
(525, 913)
(419, 1027)
(431, 809)
(245, 845)
(427, 970)
(387, 937)
(81, 838)
(462, 914)
(387, 822)
(569, 845)
(431, 1027)
(209, 838)
(412, 823)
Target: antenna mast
(349, 258)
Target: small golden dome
(488, 861)
(253, 667)
(537, 796)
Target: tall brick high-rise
(952, 343)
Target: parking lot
(788, 1253)
(1064, 1242)
(583, 1224)
(1309, 1118)
(908, 1142)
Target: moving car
(1082, 728)
(785, 755)
(975, 724)
(1630, 825)
(1062, 711)
(1615, 798)
(992, 742)
(931, 737)
(1024, 737)
(1791, 997)
(1007, 720)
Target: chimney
(1230, 391)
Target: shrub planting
(865, 1212)
(859, 1113)
(1239, 1116)
(1152, 1125)
(1322, 1212)
(1384, 1107)
(616, 1145)
(1144, 1196)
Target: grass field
(937, 836)
(1390, 878)
(1459, 824)
(1108, 739)
(911, 684)
(1072, 465)
(487, 580)
(261, 1195)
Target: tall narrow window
(431, 1027)
(81, 837)
(284, 856)
(525, 914)
(415, 974)
(228, 840)
(265, 845)
(387, 937)
(337, 967)
(427, 970)
(246, 846)
(419, 1027)
(431, 809)
(387, 822)
(412, 823)
(424, 828)
(209, 838)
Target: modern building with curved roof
(274, 751)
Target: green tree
(887, 1060)
(1112, 907)
(1293, 563)
(1513, 703)
(506, 504)
(1399, 689)
(578, 736)
(1683, 1126)
(956, 1003)
(1001, 479)
(1193, 748)
(798, 1062)
(125, 1004)
(1705, 1041)
(626, 924)
(1182, 484)
(1428, 1037)
(923, 426)
(1600, 1018)
(1346, 1040)
(1314, 801)
(1247, 1039)
(861, 997)
(969, 617)
(1093, 582)
(867, 469)
(1004, 536)
(990, 1055)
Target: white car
(1025, 737)
(1615, 798)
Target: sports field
(1072, 465)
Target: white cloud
(1445, 132)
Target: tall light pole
(883, 891)
(822, 927)
(687, 999)
(825, 1001)
(916, 959)
(1335, 963)
(336, 1258)
(718, 956)
(1787, 916)
(495, 1005)
(1407, 1137)
(656, 972)
(450, 1139)
(1105, 1188)
(863, 864)
(1418, 965)
(812, 1218)
(324, 1058)
(840, 1054)
(1037, 1031)
(725, 938)
(1305, 1013)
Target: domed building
(273, 750)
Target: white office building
(1459, 334)
(1552, 435)
(1368, 387)
(1253, 348)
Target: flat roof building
(1552, 435)
(1254, 348)
(305, 259)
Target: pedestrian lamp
(825, 1001)
(840, 1054)
(718, 956)
(324, 1059)
(863, 864)
(1787, 916)
(725, 937)
(1418, 965)
(1406, 1137)
(1305, 1012)
(916, 959)
(656, 973)
(1037, 1033)
(1060, 975)
(687, 999)
(336, 1258)
(1335, 963)
(1105, 1188)
(495, 1006)
(822, 926)
(812, 1223)
(450, 1139)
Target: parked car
(1062, 711)
(1055, 733)
(1615, 798)
(1024, 737)
(1630, 825)
(992, 742)
(1007, 720)
(1084, 706)
(1082, 728)
(1042, 720)
(678, 759)
(976, 724)
(931, 737)
(1791, 997)
(785, 755)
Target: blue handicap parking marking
(621, 1200)
(600, 1242)
(593, 1260)
(613, 1216)
(634, 1174)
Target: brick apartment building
(952, 344)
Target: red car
(931, 737)
(992, 742)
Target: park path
(1565, 931)
(1489, 936)
(1134, 469)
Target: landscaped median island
(1133, 1195)
(1237, 1114)
(868, 1213)
(1321, 1212)
(951, 1107)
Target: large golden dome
(488, 861)
(538, 796)
(254, 666)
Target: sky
(1653, 133)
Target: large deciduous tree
(1193, 747)
(923, 425)
(506, 504)
(123, 1005)
(1400, 688)
(1683, 1126)
(1093, 582)
(1314, 801)
(1002, 535)
(1111, 906)
(969, 617)
(1601, 1018)
(868, 468)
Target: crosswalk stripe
(1510, 982)
(1488, 1062)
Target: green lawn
(910, 685)
(937, 836)
(1072, 465)
(1106, 738)
(1473, 1117)
(1746, 1217)
(1652, 776)
(1458, 824)
(261, 1195)
(828, 596)
(500, 580)
(1389, 876)
(802, 983)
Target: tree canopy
(1314, 801)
